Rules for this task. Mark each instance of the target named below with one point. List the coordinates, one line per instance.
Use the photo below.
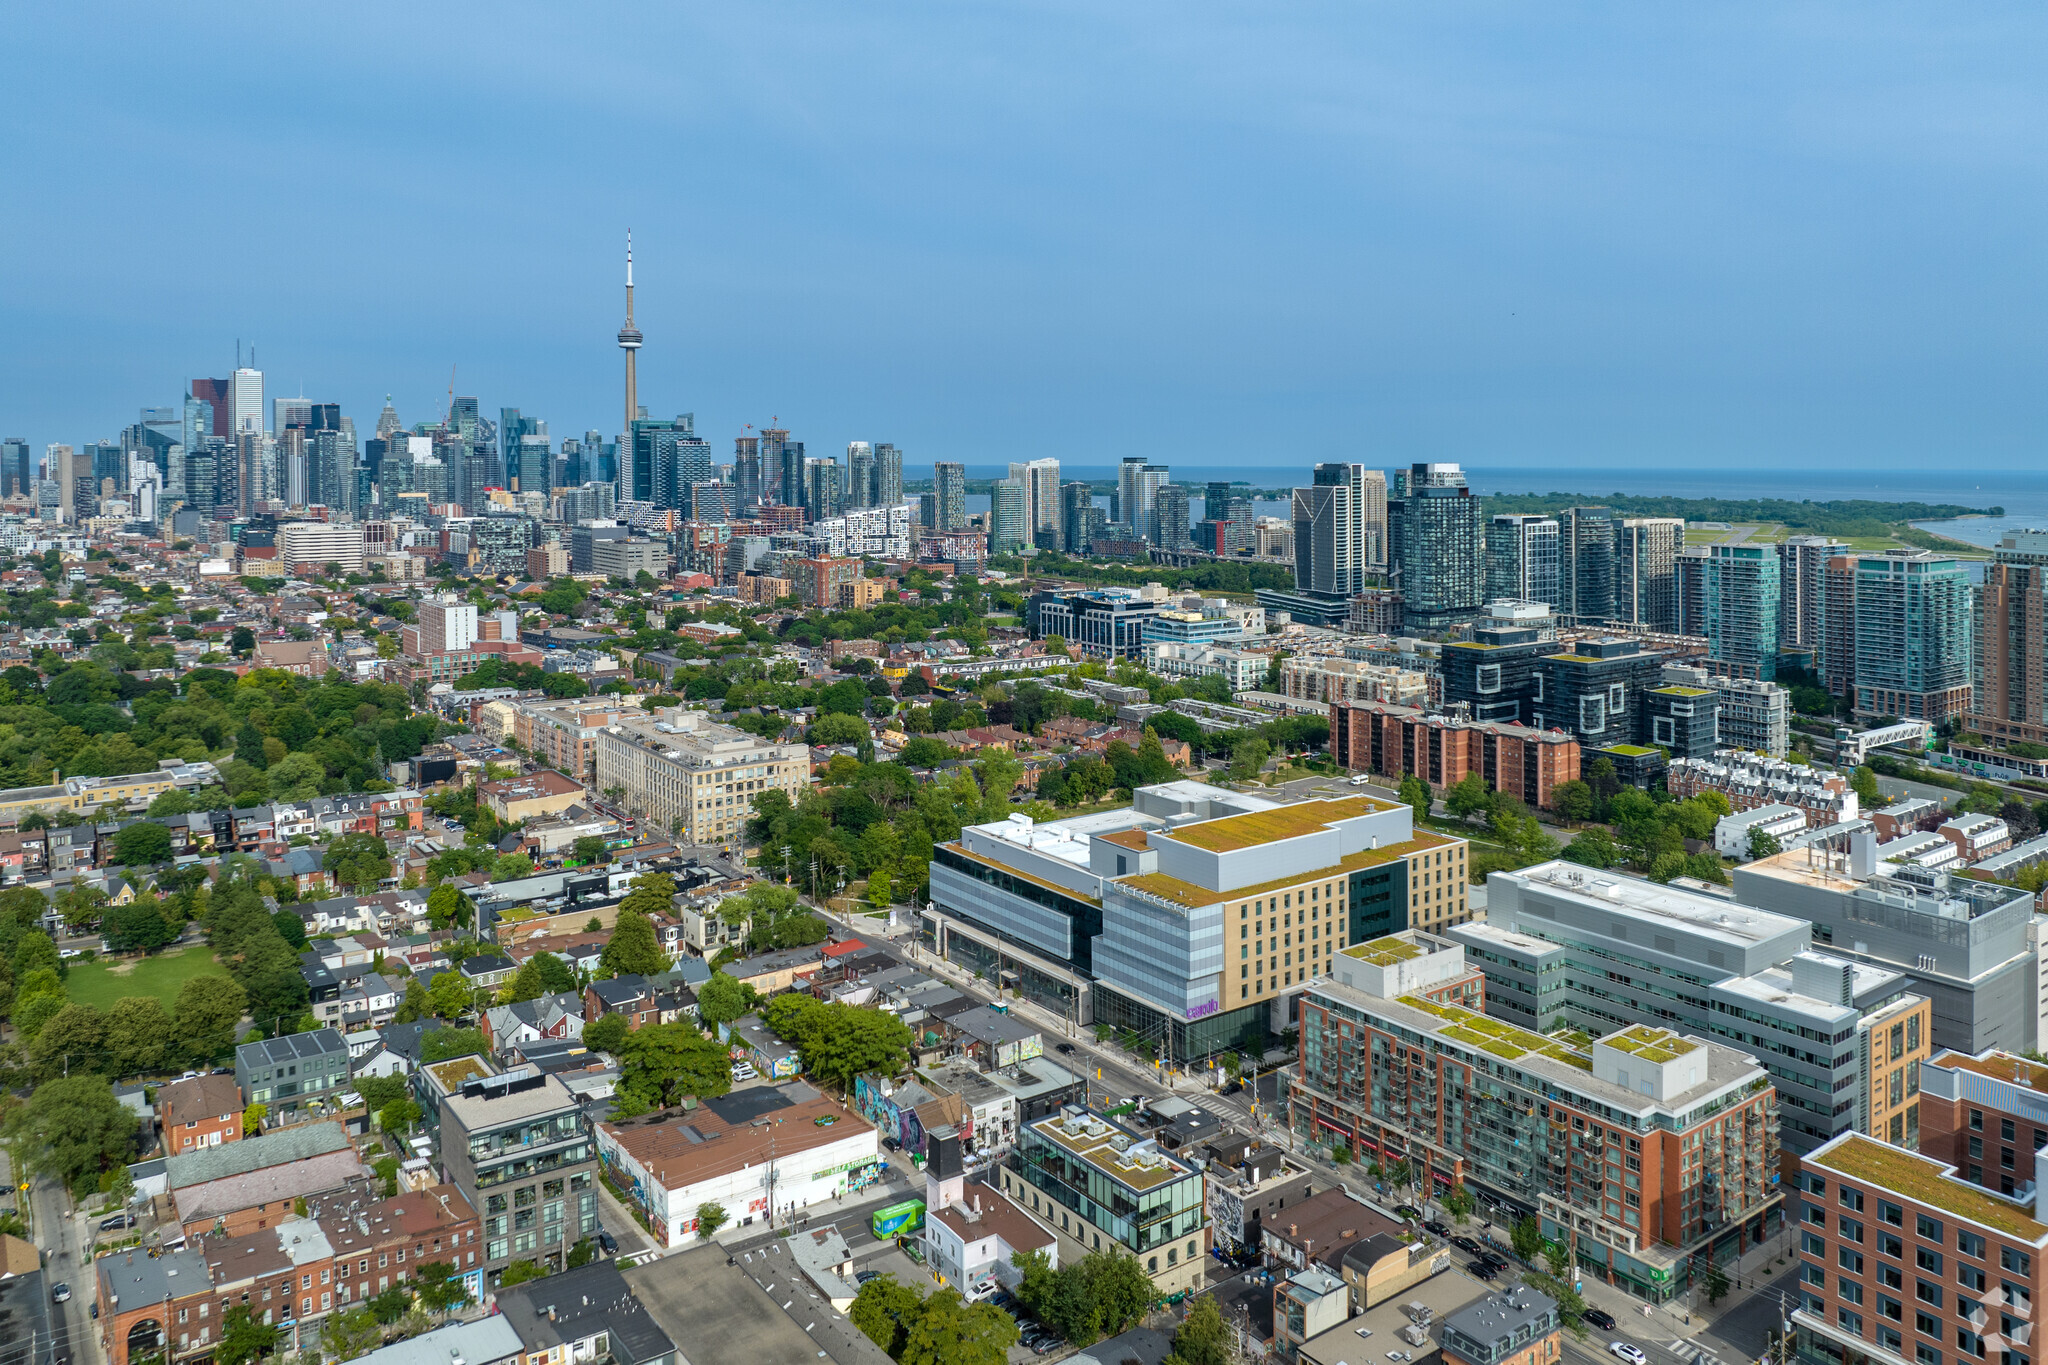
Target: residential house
(584, 1314)
(199, 1111)
(551, 1017)
(299, 1068)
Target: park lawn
(163, 976)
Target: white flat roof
(1617, 893)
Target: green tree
(204, 1017)
(519, 1272)
(633, 949)
(415, 1004)
(659, 1064)
(139, 1036)
(589, 849)
(73, 1040)
(1527, 1237)
(1247, 757)
(605, 1033)
(252, 1119)
(883, 1311)
(710, 1218)
(947, 1330)
(350, 1334)
(447, 906)
(1468, 798)
(1593, 848)
(451, 995)
(1763, 843)
(1864, 783)
(1415, 792)
(511, 867)
(724, 999)
(438, 1288)
(1203, 1338)
(138, 926)
(1573, 800)
(244, 1337)
(444, 1044)
(359, 861)
(1717, 1282)
(71, 1127)
(142, 844)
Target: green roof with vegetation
(1626, 750)
(1655, 1045)
(1384, 952)
(1494, 1037)
(1926, 1181)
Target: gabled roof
(252, 1154)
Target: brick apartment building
(202, 1111)
(1390, 740)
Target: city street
(63, 1238)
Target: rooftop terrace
(1384, 952)
(1190, 896)
(1496, 1038)
(1134, 1161)
(1654, 1045)
(1999, 1066)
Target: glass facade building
(1521, 559)
(1098, 1182)
(1741, 602)
(1434, 538)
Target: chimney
(977, 1204)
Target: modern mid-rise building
(1394, 740)
(1189, 916)
(1645, 1152)
(2009, 692)
(1914, 652)
(1107, 623)
(1585, 576)
(519, 1147)
(1101, 1184)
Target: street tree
(358, 861)
(71, 1129)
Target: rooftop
(250, 1154)
(1615, 892)
(1927, 1181)
(1654, 1045)
(1189, 895)
(482, 1342)
(1493, 1036)
(1234, 832)
(132, 1278)
(1384, 952)
(1120, 1154)
(1999, 1066)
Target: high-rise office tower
(1170, 516)
(1802, 564)
(1124, 505)
(334, 457)
(1371, 496)
(218, 396)
(668, 457)
(1741, 610)
(14, 468)
(388, 424)
(1331, 544)
(860, 475)
(949, 496)
(535, 463)
(1645, 571)
(772, 439)
(513, 426)
(600, 459)
(57, 464)
(1041, 480)
(1216, 497)
(1077, 500)
(1585, 572)
(823, 493)
(629, 342)
(888, 479)
(1009, 522)
(748, 486)
(1521, 559)
(2009, 693)
(1433, 540)
(1151, 479)
(295, 482)
(245, 400)
(1914, 646)
(290, 412)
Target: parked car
(607, 1243)
(864, 1276)
(1600, 1318)
(119, 1222)
(60, 1294)
(1408, 1211)
(1438, 1227)
(1628, 1351)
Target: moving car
(1065, 1049)
(1466, 1244)
(1628, 1351)
(60, 1294)
(1480, 1270)
(1600, 1318)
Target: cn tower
(629, 342)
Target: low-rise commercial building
(761, 1154)
(1520, 1327)
(534, 794)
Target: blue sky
(1214, 235)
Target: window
(1889, 1276)
(1926, 1355)
(1929, 1294)
(2005, 1132)
(1851, 1261)
(1889, 1212)
(1889, 1307)
(1970, 1243)
(1888, 1245)
(1851, 1321)
(1976, 1120)
(2019, 1262)
(1849, 1290)
(1928, 1228)
(1852, 1230)
(1969, 1277)
(1851, 1199)
(1926, 1326)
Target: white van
(1361, 779)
